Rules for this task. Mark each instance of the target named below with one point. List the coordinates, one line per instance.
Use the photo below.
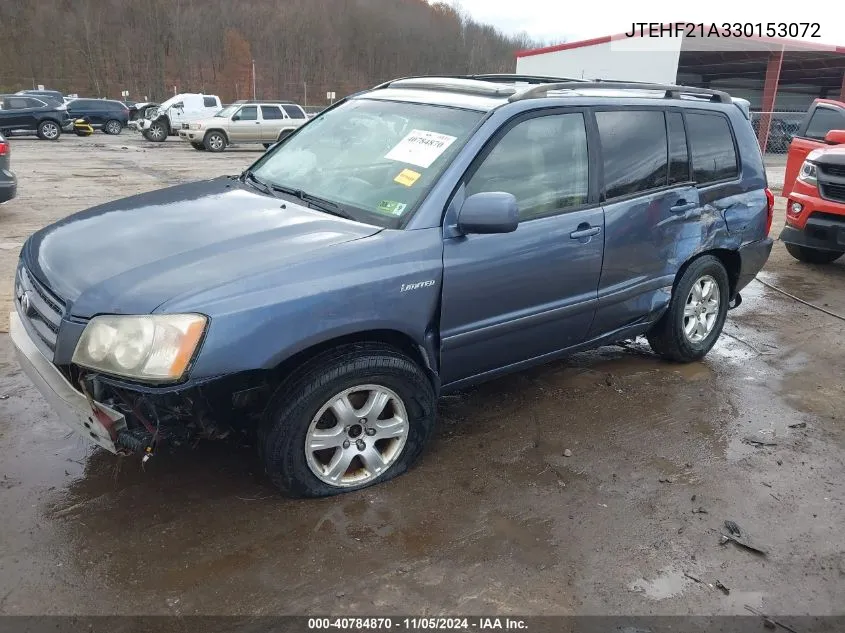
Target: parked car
(8, 182)
(169, 117)
(21, 114)
(103, 114)
(52, 97)
(264, 122)
(815, 207)
(823, 116)
(415, 239)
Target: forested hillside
(100, 47)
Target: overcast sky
(556, 20)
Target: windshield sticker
(407, 177)
(391, 207)
(421, 148)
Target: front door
(244, 126)
(519, 296)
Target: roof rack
(671, 91)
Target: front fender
(389, 281)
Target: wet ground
(495, 519)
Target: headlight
(154, 348)
(808, 173)
(196, 126)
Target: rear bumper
(753, 257)
(8, 186)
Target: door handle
(682, 206)
(585, 230)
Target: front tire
(352, 417)
(113, 127)
(215, 142)
(812, 255)
(157, 132)
(49, 131)
(696, 314)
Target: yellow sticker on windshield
(407, 177)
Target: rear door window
(823, 121)
(634, 151)
(712, 147)
(271, 113)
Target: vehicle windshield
(227, 111)
(374, 159)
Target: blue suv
(415, 239)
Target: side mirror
(179, 106)
(236, 117)
(835, 137)
(489, 212)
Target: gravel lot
(495, 519)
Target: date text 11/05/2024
(418, 624)
(725, 29)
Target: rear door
(821, 119)
(519, 296)
(651, 210)
(272, 121)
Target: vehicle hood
(832, 155)
(132, 255)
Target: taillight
(4, 148)
(770, 210)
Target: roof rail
(671, 91)
(453, 84)
(527, 79)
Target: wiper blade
(320, 203)
(259, 184)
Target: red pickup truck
(814, 186)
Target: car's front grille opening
(832, 170)
(39, 307)
(830, 191)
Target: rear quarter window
(294, 112)
(209, 102)
(711, 145)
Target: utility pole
(253, 80)
(305, 85)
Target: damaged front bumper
(92, 420)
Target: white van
(182, 108)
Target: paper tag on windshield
(421, 148)
(407, 177)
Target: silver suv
(264, 122)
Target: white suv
(264, 122)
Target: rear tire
(49, 131)
(301, 409)
(812, 255)
(696, 314)
(215, 142)
(113, 127)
